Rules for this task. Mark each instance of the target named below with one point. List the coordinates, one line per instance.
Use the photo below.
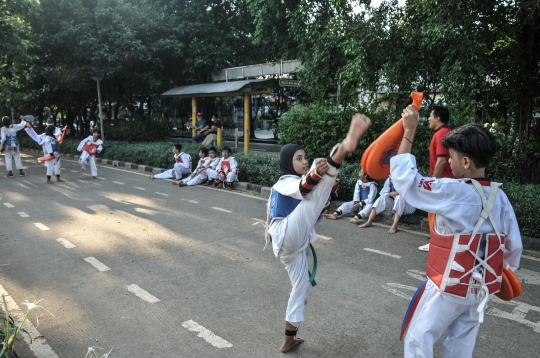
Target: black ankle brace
(290, 333)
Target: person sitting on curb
(365, 192)
(227, 170)
(181, 168)
(389, 200)
(211, 167)
(199, 175)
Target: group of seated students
(210, 170)
(207, 133)
(366, 206)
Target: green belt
(312, 274)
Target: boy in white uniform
(181, 168)
(89, 147)
(10, 144)
(457, 205)
(389, 200)
(211, 167)
(365, 192)
(51, 147)
(199, 175)
(226, 172)
(294, 206)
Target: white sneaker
(424, 248)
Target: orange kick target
(376, 158)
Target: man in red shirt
(438, 155)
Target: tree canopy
(482, 56)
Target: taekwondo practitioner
(211, 167)
(294, 206)
(10, 144)
(475, 234)
(389, 200)
(199, 175)
(181, 168)
(89, 147)
(226, 172)
(365, 192)
(49, 141)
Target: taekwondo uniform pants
(53, 167)
(85, 157)
(348, 207)
(437, 312)
(298, 231)
(167, 174)
(199, 178)
(12, 153)
(397, 205)
(231, 177)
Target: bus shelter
(244, 88)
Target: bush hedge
(263, 169)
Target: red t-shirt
(436, 150)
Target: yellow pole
(247, 120)
(219, 137)
(194, 114)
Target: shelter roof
(231, 88)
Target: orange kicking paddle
(45, 159)
(510, 287)
(376, 158)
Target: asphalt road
(152, 270)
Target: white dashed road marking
(325, 237)
(23, 214)
(523, 256)
(9, 205)
(95, 262)
(67, 244)
(193, 201)
(41, 226)
(117, 182)
(73, 171)
(157, 192)
(100, 178)
(382, 253)
(86, 174)
(38, 346)
(136, 187)
(142, 294)
(208, 336)
(528, 276)
(220, 209)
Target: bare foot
(289, 343)
(94, 177)
(49, 182)
(359, 125)
(176, 182)
(366, 224)
(82, 169)
(355, 221)
(181, 184)
(392, 230)
(58, 180)
(331, 216)
(152, 177)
